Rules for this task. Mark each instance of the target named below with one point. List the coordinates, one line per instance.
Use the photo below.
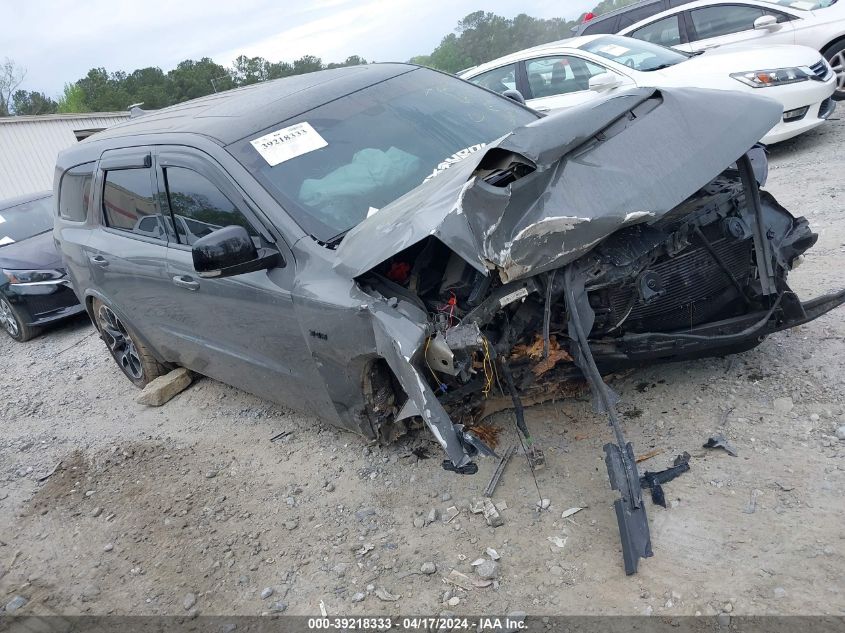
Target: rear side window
(128, 201)
(498, 80)
(666, 32)
(198, 207)
(724, 19)
(608, 25)
(74, 193)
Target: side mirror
(604, 81)
(230, 251)
(516, 95)
(767, 23)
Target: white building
(29, 146)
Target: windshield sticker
(613, 49)
(372, 211)
(2, 219)
(6, 240)
(290, 142)
(454, 158)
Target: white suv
(704, 24)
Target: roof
(29, 146)
(232, 115)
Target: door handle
(542, 108)
(99, 260)
(183, 281)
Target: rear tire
(13, 322)
(835, 55)
(133, 357)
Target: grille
(40, 305)
(697, 289)
(820, 70)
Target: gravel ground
(190, 508)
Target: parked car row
(694, 26)
(582, 69)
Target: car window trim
(204, 165)
(122, 159)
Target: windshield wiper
(661, 67)
(337, 239)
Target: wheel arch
(837, 40)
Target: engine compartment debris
(654, 481)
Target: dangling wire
(489, 369)
(441, 385)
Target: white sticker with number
(515, 295)
(290, 142)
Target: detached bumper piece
(619, 456)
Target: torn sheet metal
(573, 199)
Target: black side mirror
(516, 95)
(230, 251)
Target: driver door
(241, 330)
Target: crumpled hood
(628, 158)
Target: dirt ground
(190, 507)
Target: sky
(58, 41)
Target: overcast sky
(58, 41)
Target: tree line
(479, 37)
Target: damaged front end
(592, 240)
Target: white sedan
(704, 24)
(569, 72)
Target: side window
(128, 203)
(640, 13)
(198, 207)
(74, 192)
(599, 26)
(666, 32)
(724, 19)
(497, 80)
(560, 74)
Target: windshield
(803, 5)
(25, 220)
(335, 165)
(636, 54)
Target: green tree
(72, 100)
(191, 79)
(31, 102)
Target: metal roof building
(29, 146)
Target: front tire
(835, 55)
(131, 355)
(13, 322)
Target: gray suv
(388, 245)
